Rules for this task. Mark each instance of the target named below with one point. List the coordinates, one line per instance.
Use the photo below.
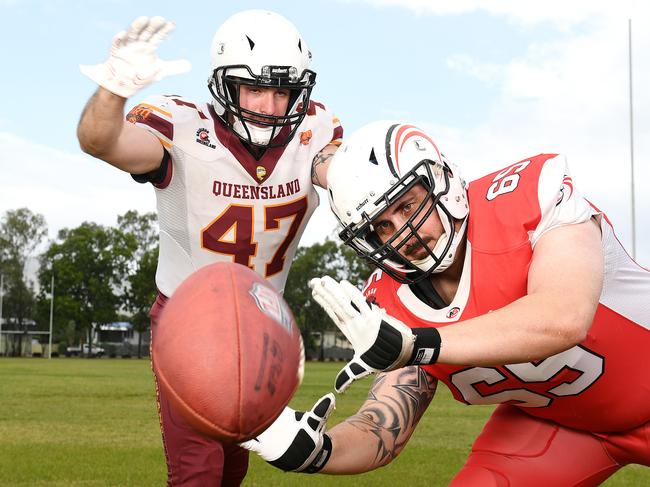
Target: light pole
(49, 347)
(629, 30)
(2, 286)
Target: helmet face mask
(225, 89)
(386, 254)
(262, 49)
(376, 167)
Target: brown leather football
(227, 352)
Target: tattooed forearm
(394, 406)
(320, 162)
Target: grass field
(77, 422)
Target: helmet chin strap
(428, 262)
(258, 135)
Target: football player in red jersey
(234, 177)
(512, 290)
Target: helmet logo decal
(250, 42)
(404, 133)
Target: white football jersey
(216, 203)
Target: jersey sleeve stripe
(337, 135)
(156, 109)
(164, 129)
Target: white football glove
(133, 62)
(295, 441)
(380, 342)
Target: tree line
(104, 274)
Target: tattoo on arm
(393, 409)
(321, 158)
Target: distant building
(20, 341)
(117, 332)
(120, 339)
(329, 345)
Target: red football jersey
(602, 384)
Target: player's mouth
(417, 251)
(260, 121)
(264, 121)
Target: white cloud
(485, 72)
(569, 96)
(66, 188)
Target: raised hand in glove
(380, 342)
(133, 62)
(296, 441)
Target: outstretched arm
(297, 441)
(132, 64)
(379, 431)
(564, 285)
(103, 133)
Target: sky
(493, 82)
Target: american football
(228, 352)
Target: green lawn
(77, 422)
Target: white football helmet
(261, 48)
(376, 166)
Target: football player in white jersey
(512, 290)
(233, 177)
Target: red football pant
(515, 449)
(192, 459)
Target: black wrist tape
(322, 457)
(427, 346)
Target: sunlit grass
(78, 422)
